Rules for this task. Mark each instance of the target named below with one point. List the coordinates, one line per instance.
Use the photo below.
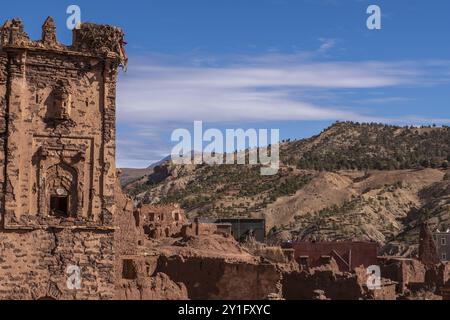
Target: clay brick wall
(241, 226)
(33, 264)
(386, 292)
(301, 285)
(354, 254)
(57, 161)
(3, 126)
(198, 229)
(218, 279)
(160, 221)
(59, 118)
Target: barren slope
(353, 181)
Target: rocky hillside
(355, 146)
(353, 181)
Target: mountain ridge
(351, 182)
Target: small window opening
(128, 270)
(304, 261)
(59, 205)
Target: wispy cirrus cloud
(266, 90)
(326, 44)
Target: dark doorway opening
(59, 205)
(129, 271)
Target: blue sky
(296, 65)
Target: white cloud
(327, 44)
(153, 92)
(385, 100)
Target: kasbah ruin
(62, 206)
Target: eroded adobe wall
(355, 253)
(248, 282)
(197, 228)
(161, 221)
(406, 272)
(301, 285)
(139, 281)
(3, 127)
(127, 236)
(158, 287)
(57, 137)
(36, 138)
(59, 119)
(219, 279)
(33, 264)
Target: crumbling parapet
(88, 38)
(100, 39)
(13, 34)
(198, 228)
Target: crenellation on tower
(89, 39)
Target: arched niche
(61, 186)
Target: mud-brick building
(442, 240)
(57, 161)
(347, 254)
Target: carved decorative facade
(57, 165)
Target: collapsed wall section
(219, 279)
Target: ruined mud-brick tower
(57, 161)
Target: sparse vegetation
(381, 211)
(355, 146)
